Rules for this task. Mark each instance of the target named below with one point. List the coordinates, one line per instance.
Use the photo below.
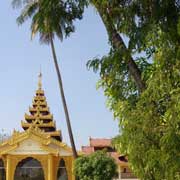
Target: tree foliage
(96, 166)
(149, 121)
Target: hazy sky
(20, 61)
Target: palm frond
(16, 3)
(27, 12)
(20, 3)
(49, 17)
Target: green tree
(148, 118)
(96, 166)
(104, 9)
(52, 18)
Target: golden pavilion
(38, 152)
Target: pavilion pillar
(69, 167)
(9, 168)
(50, 168)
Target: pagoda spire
(39, 115)
(40, 81)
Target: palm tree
(51, 18)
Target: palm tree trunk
(118, 43)
(63, 99)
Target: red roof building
(96, 144)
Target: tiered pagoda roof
(40, 116)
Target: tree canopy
(149, 118)
(96, 166)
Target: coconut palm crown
(50, 18)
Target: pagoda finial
(40, 80)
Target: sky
(21, 60)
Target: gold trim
(41, 124)
(45, 117)
(45, 109)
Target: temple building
(124, 171)
(37, 153)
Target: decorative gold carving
(41, 124)
(4, 150)
(34, 133)
(39, 114)
(45, 117)
(51, 148)
(43, 109)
